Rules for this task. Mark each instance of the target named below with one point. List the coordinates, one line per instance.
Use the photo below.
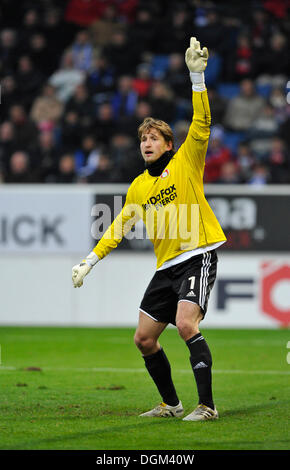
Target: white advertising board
(45, 221)
(45, 230)
(250, 291)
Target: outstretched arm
(122, 224)
(195, 146)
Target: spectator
(81, 103)
(278, 100)
(177, 76)
(262, 130)
(9, 95)
(127, 164)
(19, 169)
(25, 131)
(129, 124)
(66, 170)
(104, 27)
(29, 81)
(143, 80)
(278, 8)
(46, 108)
(142, 30)
(7, 145)
(143, 110)
(217, 106)
(233, 26)
(245, 160)
(83, 12)
(240, 63)
(82, 52)
(213, 32)
(66, 78)
(274, 59)
(172, 33)
(8, 50)
(121, 148)
(45, 156)
(125, 98)
(42, 55)
(103, 174)
(30, 25)
(57, 32)
(127, 9)
(87, 156)
(229, 173)
(180, 132)
(162, 102)
(121, 54)
(105, 124)
(284, 131)
(70, 131)
(242, 110)
(278, 162)
(259, 176)
(260, 28)
(218, 154)
(100, 79)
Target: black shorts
(191, 280)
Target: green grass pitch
(83, 388)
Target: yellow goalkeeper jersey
(172, 206)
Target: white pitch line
(143, 370)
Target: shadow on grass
(47, 443)
(66, 440)
(253, 409)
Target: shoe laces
(161, 408)
(204, 411)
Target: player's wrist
(198, 81)
(91, 259)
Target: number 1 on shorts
(192, 282)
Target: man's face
(153, 145)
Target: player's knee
(186, 328)
(187, 320)
(144, 343)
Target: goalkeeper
(185, 244)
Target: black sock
(159, 368)
(201, 362)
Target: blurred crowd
(79, 76)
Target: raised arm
(194, 148)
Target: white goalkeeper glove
(196, 61)
(81, 270)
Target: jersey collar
(157, 167)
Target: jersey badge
(164, 174)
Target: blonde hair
(161, 126)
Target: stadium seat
(213, 69)
(232, 139)
(159, 66)
(264, 90)
(228, 90)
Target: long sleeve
(122, 224)
(194, 149)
